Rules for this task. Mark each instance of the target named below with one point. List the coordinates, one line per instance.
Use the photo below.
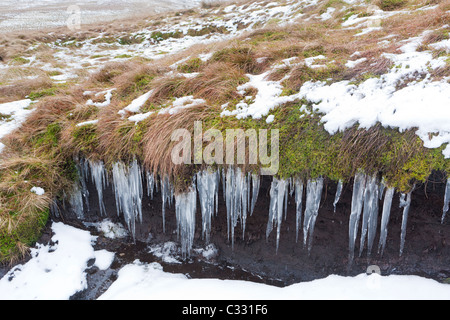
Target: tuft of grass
(190, 66)
(242, 58)
(390, 5)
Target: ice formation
(313, 197)
(370, 214)
(128, 189)
(359, 186)
(208, 192)
(278, 201)
(446, 200)
(405, 203)
(338, 194)
(185, 209)
(100, 180)
(387, 204)
(298, 206)
(240, 194)
(167, 193)
(236, 199)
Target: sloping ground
(351, 88)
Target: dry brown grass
(158, 145)
(216, 83)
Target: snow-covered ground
(59, 270)
(30, 14)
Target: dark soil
(254, 258)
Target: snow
(267, 98)
(107, 102)
(58, 270)
(327, 14)
(103, 259)
(148, 281)
(86, 123)
(110, 229)
(180, 104)
(137, 103)
(140, 117)
(38, 190)
(18, 112)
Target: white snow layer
(150, 282)
(18, 111)
(58, 270)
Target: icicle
(298, 205)
(76, 201)
(83, 172)
(207, 185)
(278, 192)
(446, 200)
(236, 197)
(185, 209)
(338, 194)
(54, 209)
(167, 198)
(256, 183)
(359, 186)
(150, 184)
(313, 197)
(370, 215)
(128, 190)
(405, 203)
(385, 218)
(99, 178)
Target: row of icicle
(240, 192)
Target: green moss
(35, 95)
(190, 66)
(26, 233)
(85, 138)
(49, 138)
(207, 30)
(160, 36)
(314, 51)
(20, 60)
(5, 117)
(123, 56)
(129, 39)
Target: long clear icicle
(370, 215)
(167, 193)
(278, 199)
(298, 206)
(446, 200)
(236, 200)
(185, 210)
(83, 172)
(151, 182)
(256, 184)
(100, 180)
(313, 197)
(359, 186)
(405, 203)
(338, 194)
(128, 191)
(387, 204)
(207, 186)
